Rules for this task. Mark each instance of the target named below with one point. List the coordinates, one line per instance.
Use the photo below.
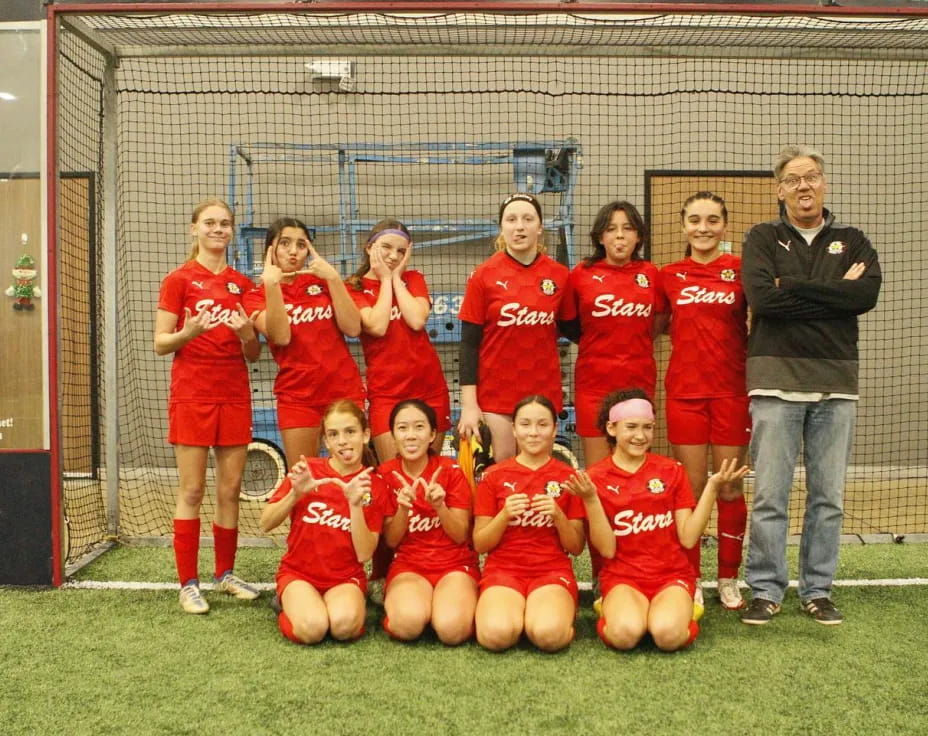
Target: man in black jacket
(806, 278)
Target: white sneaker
(191, 600)
(233, 585)
(730, 594)
(699, 602)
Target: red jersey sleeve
(474, 308)
(683, 497)
(254, 300)
(374, 511)
(282, 490)
(415, 283)
(485, 500)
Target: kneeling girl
(642, 526)
(527, 524)
(335, 509)
(433, 577)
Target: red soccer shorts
(285, 577)
(209, 425)
(648, 588)
(587, 406)
(432, 577)
(298, 414)
(723, 421)
(525, 584)
(379, 408)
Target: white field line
(583, 585)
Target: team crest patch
(367, 498)
(314, 290)
(233, 288)
(548, 287)
(642, 281)
(656, 485)
(553, 489)
(728, 274)
(837, 248)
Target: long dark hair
(277, 227)
(601, 223)
(354, 281)
(712, 197)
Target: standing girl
(509, 330)
(305, 317)
(644, 518)
(401, 362)
(528, 526)
(707, 401)
(433, 578)
(335, 509)
(201, 320)
(614, 302)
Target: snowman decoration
(24, 289)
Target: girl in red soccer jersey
(641, 516)
(433, 578)
(401, 362)
(201, 320)
(614, 302)
(707, 401)
(528, 526)
(335, 509)
(510, 313)
(304, 310)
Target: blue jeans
(825, 429)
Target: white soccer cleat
(191, 600)
(730, 594)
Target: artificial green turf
(83, 662)
(114, 662)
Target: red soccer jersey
(616, 306)
(421, 374)
(708, 328)
(319, 544)
(316, 367)
(518, 307)
(426, 545)
(211, 366)
(640, 508)
(530, 545)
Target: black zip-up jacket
(804, 326)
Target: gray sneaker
(191, 600)
(233, 585)
(759, 612)
(823, 611)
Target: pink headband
(403, 235)
(637, 408)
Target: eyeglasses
(793, 182)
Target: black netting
(437, 140)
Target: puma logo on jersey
(510, 486)
(369, 291)
(504, 284)
(600, 278)
(198, 284)
(614, 489)
(784, 245)
(681, 275)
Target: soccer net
(342, 119)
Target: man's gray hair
(791, 152)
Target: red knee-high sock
(225, 542)
(733, 518)
(694, 632)
(186, 548)
(286, 628)
(601, 630)
(381, 560)
(695, 557)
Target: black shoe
(759, 612)
(823, 611)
